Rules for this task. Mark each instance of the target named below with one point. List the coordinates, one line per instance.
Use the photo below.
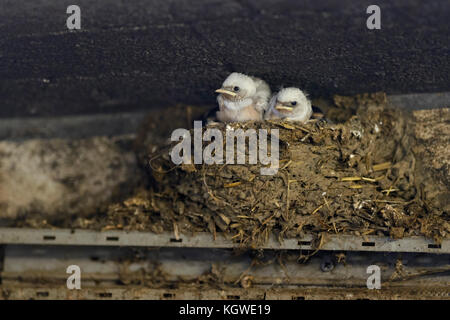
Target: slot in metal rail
(206, 240)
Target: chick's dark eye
(236, 88)
(294, 103)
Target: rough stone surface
(141, 54)
(63, 177)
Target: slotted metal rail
(206, 240)
(123, 265)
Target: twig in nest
(286, 165)
(369, 179)
(175, 231)
(317, 209)
(334, 226)
(381, 166)
(159, 170)
(282, 264)
(389, 201)
(210, 192)
(106, 228)
(233, 184)
(359, 179)
(225, 218)
(326, 202)
(319, 246)
(406, 277)
(305, 137)
(256, 195)
(286, 126)
(287, 197)
(367, 232)
(268, 219)
(303, 129)
(351, 179)
(290, 127)
(356, 186)
(388, 191)
(244, 274)
(239, 234)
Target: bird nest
(356, 177)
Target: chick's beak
(227, 92)
(283, 107)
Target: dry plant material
(359, 177)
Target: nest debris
(356, 177)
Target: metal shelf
(77, 237)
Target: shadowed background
(135, 55)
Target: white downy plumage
(290, 104)
(242, 98)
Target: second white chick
(242, 98)
(289, 104)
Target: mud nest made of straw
(358, 177)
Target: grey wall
(134, 55)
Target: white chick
(290, 104)
(242, 98)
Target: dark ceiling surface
(132, 55)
